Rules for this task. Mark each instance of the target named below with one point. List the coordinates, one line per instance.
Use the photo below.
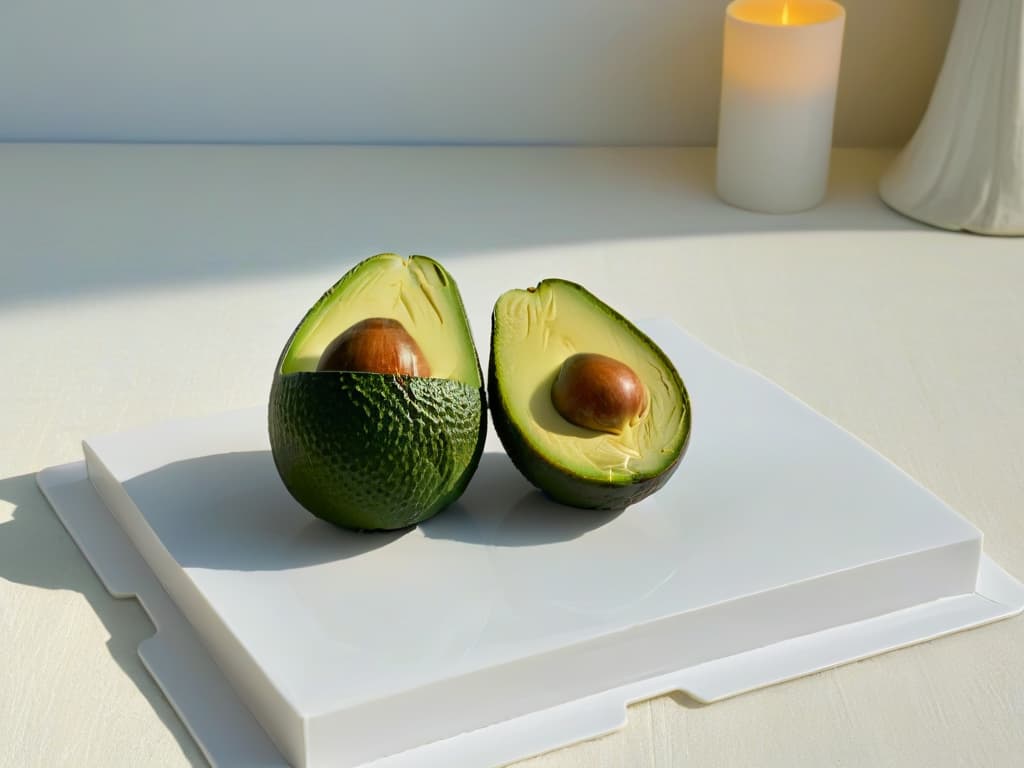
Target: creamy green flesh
(413, 291)
(536, 332)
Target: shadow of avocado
(36, 550)
(252, 524)
(249, 522)
(501, 509)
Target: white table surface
(141, 283)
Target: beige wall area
(426, 71)
(892, 55)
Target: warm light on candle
(778, 13)
(780, 68)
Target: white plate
(508, 624)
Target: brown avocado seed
(375, 345)
(599, 393)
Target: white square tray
(509, 625)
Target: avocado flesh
(416, 291)
(374, 451)
(533, 332)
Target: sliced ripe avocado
(538, 334)
(380, 450)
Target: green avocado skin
(370, 451)
(558, 483)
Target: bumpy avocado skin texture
(559, 482)
(370, 451)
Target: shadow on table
(35, 550)
(685, 700)
(118, 218)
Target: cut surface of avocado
(373, 451)
(414, 291)
(534, 332)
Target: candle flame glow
(785, 12)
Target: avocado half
(373, 451)
(533, 332)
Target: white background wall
(578, 71)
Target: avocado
(377, 414)
(588, 408)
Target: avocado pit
(598, 392)
(375, 345)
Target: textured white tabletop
(142, 283)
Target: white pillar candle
(779, 73)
